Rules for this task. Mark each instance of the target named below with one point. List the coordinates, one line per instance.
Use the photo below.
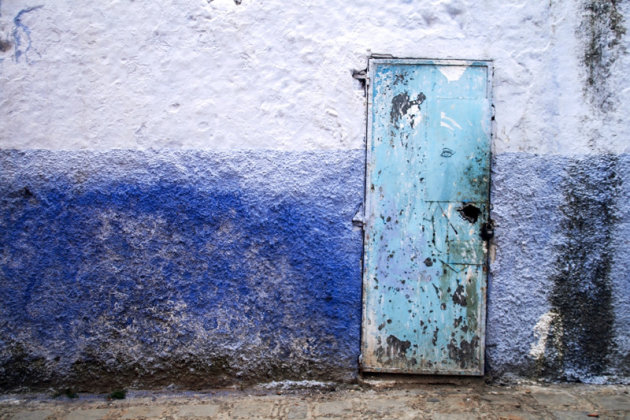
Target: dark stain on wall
(5, 45)
(530, 205)
(602, 29)
(581, 336)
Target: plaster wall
(213, 75)
(179, 179)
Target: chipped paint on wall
(542, 331)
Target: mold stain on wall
(580, 337)
(602, 29)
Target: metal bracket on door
(359, 217)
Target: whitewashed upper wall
(276, 74)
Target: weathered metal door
(427, 204)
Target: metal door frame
(368, 87)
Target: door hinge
(359, 217)
(362, 77)
(360, 74)
(377, 55)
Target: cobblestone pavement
(416, 401)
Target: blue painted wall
(562, 255)
(191, 268)
(202, 269)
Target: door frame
(366, 210)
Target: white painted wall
(276, 74)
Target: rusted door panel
(427, 197)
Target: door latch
(487, 230)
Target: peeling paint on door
(427, 201)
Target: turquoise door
(426, 209)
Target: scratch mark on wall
(22, 34)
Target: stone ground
(364, 401)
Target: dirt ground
(308, 400)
